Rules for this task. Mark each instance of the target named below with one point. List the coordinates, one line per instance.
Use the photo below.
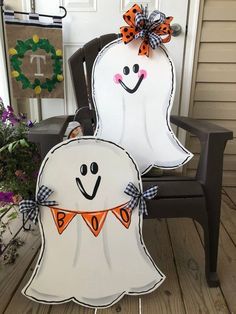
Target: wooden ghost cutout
(133, 97)
(93, 251)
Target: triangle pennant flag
(123, 214)
(95, 221)
(61, 218)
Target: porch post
(5, 93)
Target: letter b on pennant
(61, 218)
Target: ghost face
(141, 75)
(133, 96)
(79, 174)
(84, 171)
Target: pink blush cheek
(142, 72)
(117, 77)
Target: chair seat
(174, 186)
(177, 197)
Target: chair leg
(211, 240)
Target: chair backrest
(81, 64)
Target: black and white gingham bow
(147, 25)
(139, 198)
(31, 208)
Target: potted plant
(19, 164)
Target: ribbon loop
(141, 20)
(154, 40)
(138, 198)
(31, 207)
(156, 18)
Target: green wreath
(33, 44)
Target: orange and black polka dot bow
(153, 30)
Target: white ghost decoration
(93, 251)
(133, 96)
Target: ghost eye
(83, 170)
(136, 68)
(126, 70)
(94, 167)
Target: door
(87, 19)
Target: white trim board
(3, 77)
(194, 8)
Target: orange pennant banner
(123, 214)
(62, 218)
(95, 221)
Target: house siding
(214, 81)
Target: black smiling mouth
(129, 90)
(82, 189)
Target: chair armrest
(202, 129)
(49, 132)
(87, 119)
(213, 139)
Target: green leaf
(18, 62)
(3, 210)
(37, 82)
(23, 143)
(29, 41)
(20, 42)
(25, 86)
(10, 147)
(14, 145)
(53, 50)
(12, 216)
(44, 85)
(3, 148)
(14, 58)
(34, 47)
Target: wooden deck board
(20, 304)
(189, 256)
(13, 226)
(228, 218)
(232, 194)
(177, 251)
(167, 298)
(11, 275)
(226, 269)
(70, 308)
(127, 305)
(227, 253)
